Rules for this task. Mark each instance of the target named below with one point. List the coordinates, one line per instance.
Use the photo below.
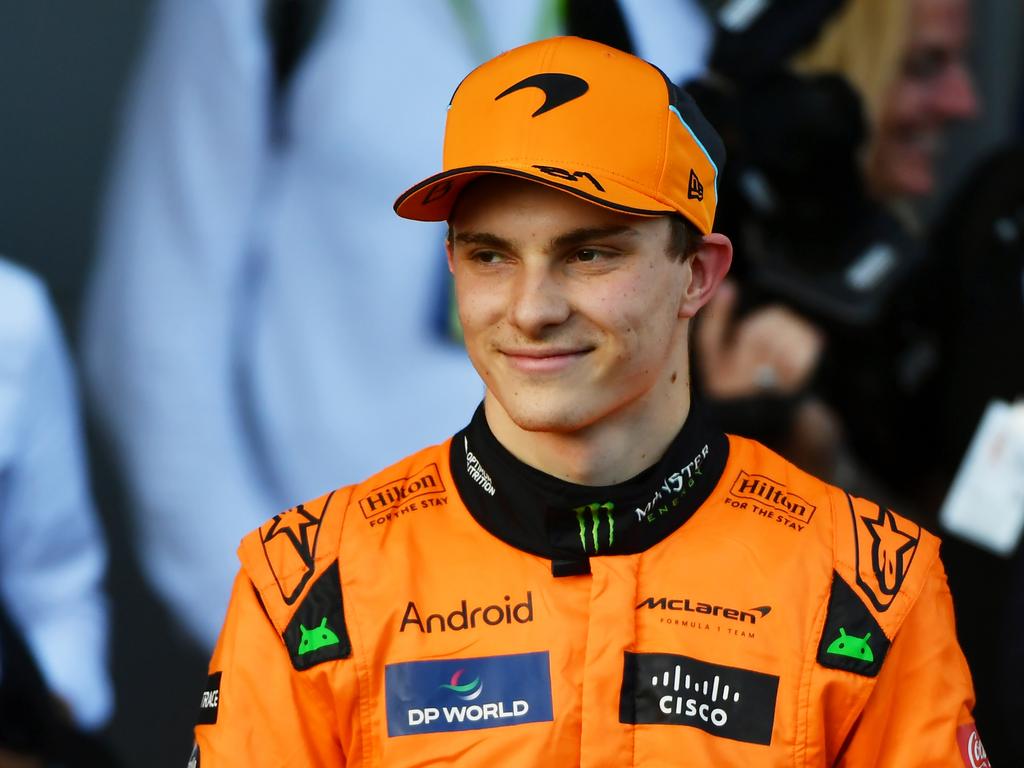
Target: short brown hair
(683, 238)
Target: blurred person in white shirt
(52, 553)
(252, 335)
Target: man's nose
(955, 96)
(538, 300)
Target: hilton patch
(402, 495)
(773, 499)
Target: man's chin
(543, 422)
(549, 417)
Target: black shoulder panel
(851, 639)
(317, 631)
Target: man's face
(571, 312)
(932, 89)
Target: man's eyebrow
(587, 234)
(482, 238)
(558, 243)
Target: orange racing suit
(461, 608)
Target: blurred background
(203, 191)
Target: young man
(589, 573)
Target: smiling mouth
(544, 360)
(925, 141)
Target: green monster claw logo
(851, 646)
(595, 523)
(318, 637)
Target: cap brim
(433, 198)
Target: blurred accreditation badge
(985, 505)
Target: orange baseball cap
(583, 117)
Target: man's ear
(708, 267)
(449, 251)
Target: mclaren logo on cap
(558, 89)
(696, 190)
(437, 192)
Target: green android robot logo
(318, 637)
(852, 646)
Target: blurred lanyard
(550, 21)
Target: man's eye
(487, 257)
(587, 255)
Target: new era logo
(696, 189)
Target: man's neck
(609, 451)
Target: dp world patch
(467, 694)
(666, 689)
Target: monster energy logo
(595, 516)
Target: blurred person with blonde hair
(912, 79)
(951, 346)
(838, 125)
(55, 689)
(907, 62)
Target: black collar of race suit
(568, 523)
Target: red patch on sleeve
(971, 748)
